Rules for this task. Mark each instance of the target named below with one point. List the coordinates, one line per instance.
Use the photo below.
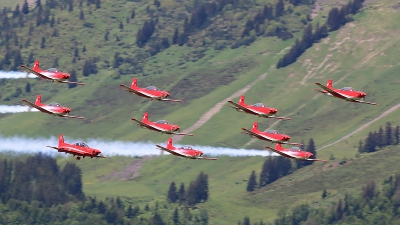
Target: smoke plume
(15, 75)
(110, 148)
(16, 109)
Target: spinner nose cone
(286, 137)
(362, 94)
(66, 76)
(66, 110)
(309, 155)
(273, 110)
(175, 128)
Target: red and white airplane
(53, 108)
(270, 135)
(294, 153)
(151, 92)
(78, 149)
(160, 126)
(258, 109)
(51, 74)
(345, 93)
(184, 151)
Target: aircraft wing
(279, 152)
(277, 117)
(53, 147)
(320, 160)
(100, 156)
(182, 134)
(75, 117)
(207, 158)
(360, 101)
(257, 135)
(36, 73)
(140, 123)
(174, 152)
(332, 92)
(170, 100)
(241, 107)
(38, 107)
(72, 82)
(136, 92)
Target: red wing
(71, 82)
(74, 117)
(207, 158)
(38, 107)
(36, 73)
(241, 107)
(360, 101)
(257, 135)
(182, 134)
(146, 125)
(170, 100)
(136, 92)
(334, 93)
(173, 152)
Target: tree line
(380, 138)
(196, 192)
(37, 191)
(373, 205)
(336, 19)
(274, 168)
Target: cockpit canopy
(347, 89)
(297, 149)
(162, 122)
(81, 144)
(187, 147)
(55, 104)
(152, 88)
(259, 105)
(53, 70)
(272, 132)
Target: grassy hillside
(362, 55)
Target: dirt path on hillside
(363, 126)
(216, 108)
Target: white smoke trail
(14, 75)
(110, 148)
(16, 109)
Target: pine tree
(175, 217)
(71, 6)
(339, 211)
(129, 212)
(370, 143)
(246, 221)
(311, 148)
(388, 133)
(201, 187)
(172, 195)
(28, 87)
(43, 43)
(324, 194)
(397, 135)
(25, 7)
(81, 15)
(307, 39)
(279, 8)
(191, 194)
(175, 37)
(121, 26)
(252, 183)
(380, 138)
(265, 172)
(16, 12)
(73, 78)
(182, 193)
(98, 4)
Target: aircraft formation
(81, 149)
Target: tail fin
(255, 127)
(38, 101)
(278, 146)
(134, 83)
(145, 117)
(169, 144)
(241, 100)
(36, 65)
(60, 140)
(329, 84)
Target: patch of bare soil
(130, 172)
